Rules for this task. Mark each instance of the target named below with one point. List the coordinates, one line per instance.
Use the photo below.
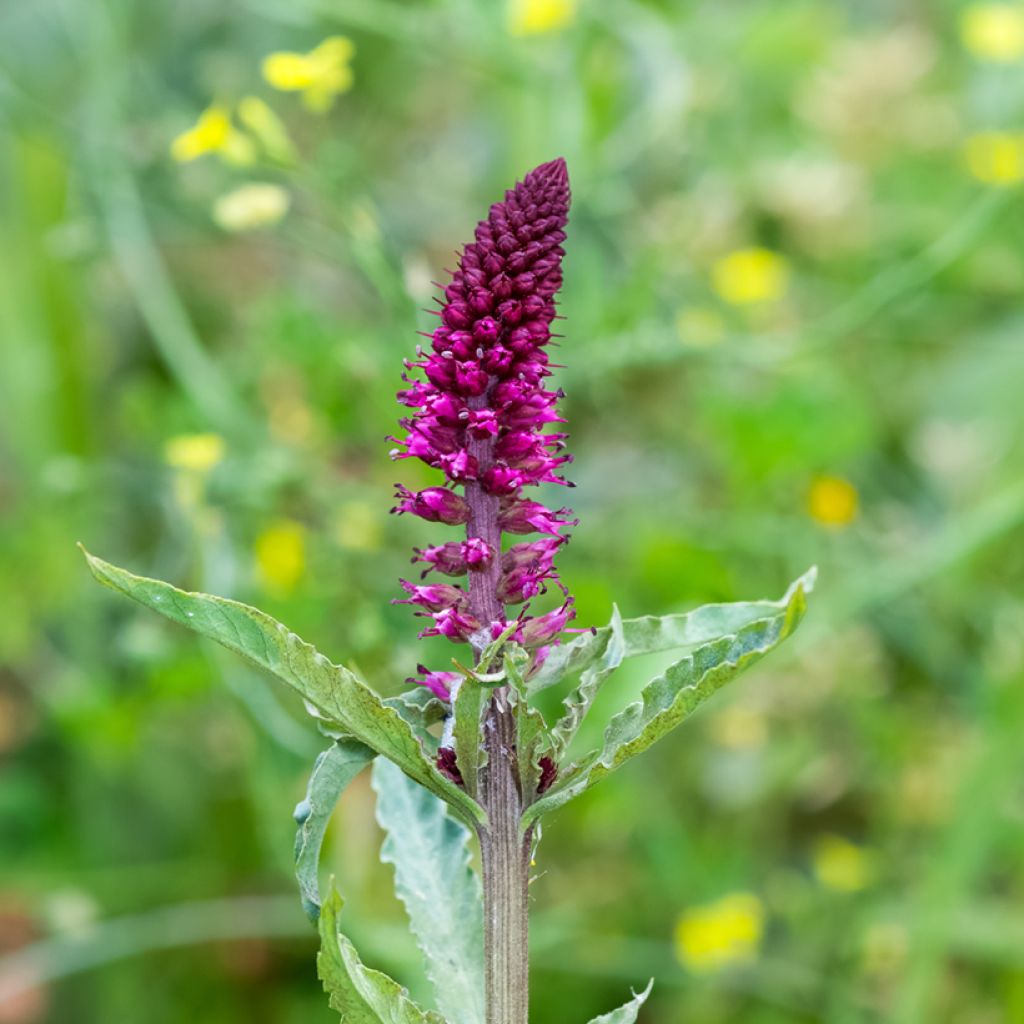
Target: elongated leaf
(334, 691)
(612, 644)
(441, 893)
(335, 768)
(359, 994)
(671, 697)
(469, 698)
(653, 633)
(626, 1014)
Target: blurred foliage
(793, 336)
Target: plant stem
(506, 866)
(504, 853)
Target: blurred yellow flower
(358, 527)
(256, 205)
(267, 128)
(750, 275)
(281, 555)
(196, 453)
(842, 865)
(833, 501)
(993, 31)
(320, 75)
(213, 132)
(534, 17)
(699, 327)
(738, 728)
(720, 934)
(996, 158)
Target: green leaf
(359, 994)
(670, 698)
(611, 651)
(335, 768)
(333, 691)
(441, 893)
(626, 1014)
(469, 698)
(653, 633)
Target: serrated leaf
(626, 1014)
(359, 994)
(469, 698)
(652, 634)
(671, 697)
(441, 893)
(611, 651)
(333, 690)
(334, 769)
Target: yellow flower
(256, 205)
(320, 75)
(993, 31)
(698, 327)
(534, 17)
(996, 158)
(213, 132)
(840, 864)
(281, 555)
(750, 275)
(196, 453)
(267, 128)
(720, 934)
(833, 501)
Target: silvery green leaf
(335, 768)
(334, 692)
(671, 697)
(359, 994)
(654, 633)
(626, 1014)
(469, 698)
(611, 649)
(441, 893)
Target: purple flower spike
(479, 415)
(438, 683)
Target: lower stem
(506, 866)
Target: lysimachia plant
(465, 752)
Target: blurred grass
(137, 787)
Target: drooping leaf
(608, 657)
(672, 696)
(653, 633)
(441, 893)
(335, 768)
(626, 1014)
(359, 994)
(469, 698)
(335, 692)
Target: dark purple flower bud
(454, 558)
(548, 774)
(438, 683)
(485, 331)
(453, 623)
(522, 582)
(435, 504)
(545, 628)
(447, 766)
(525, 516)
(537, 555)
(432, 596)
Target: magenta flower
(479, 415)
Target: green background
(147, 780)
